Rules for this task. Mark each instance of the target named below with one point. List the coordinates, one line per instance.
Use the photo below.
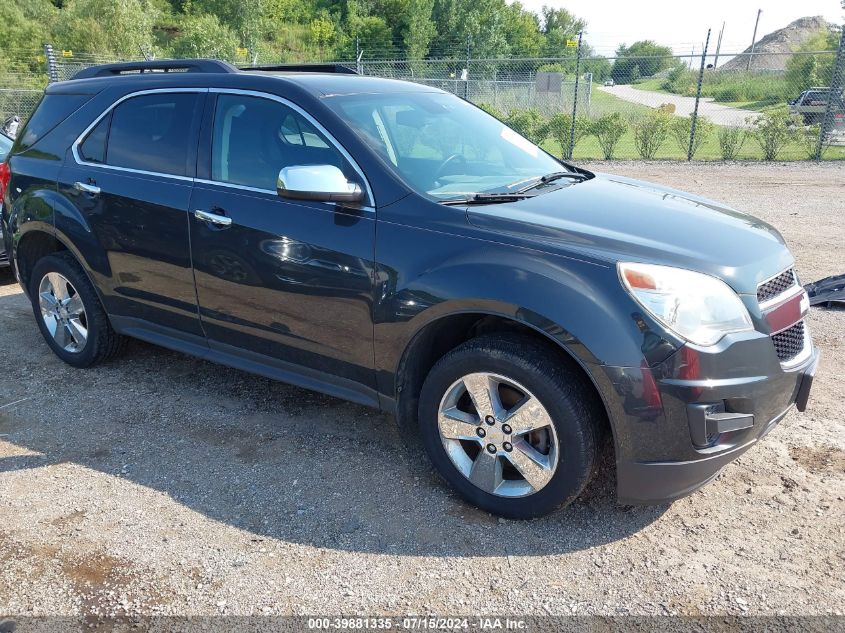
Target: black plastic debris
(827, 291)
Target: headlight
(698, 307)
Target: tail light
(5, 175)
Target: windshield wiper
(488, 198)
(556, 175)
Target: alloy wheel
(63, 312)
(498, 435)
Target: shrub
(731, 140)
(559, 128)
(529, 123)
(650, 132)
(808, 138)
(608, 130)
(491, 110)
(773, 131)
(681, 128)
(681, 81)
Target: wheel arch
(443, 332)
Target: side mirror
(324, 183)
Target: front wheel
(510, 425)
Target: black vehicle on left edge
(392, 244)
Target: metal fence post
(698, 97)
(466, 82)
(52, 69)
(837, 78)
(359, 67)
(571, 147)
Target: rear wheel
(510, 425)
(69, 314)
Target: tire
(101, 342)
(571, 438)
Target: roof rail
(163, 65)
(339, 69)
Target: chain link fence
(776, 106)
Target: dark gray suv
(392, 244)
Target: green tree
(598, 66)
(121, 28)
(804, 71)
(375, 36)
(522, 31)
(641, 59)
(26, 24)
(418, 29)
(204, 36)
(477, 22)
(246, 17)
(322, 30)
(559, 27)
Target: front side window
(255, 138)
(441, 145)
(149, 133)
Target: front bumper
(660, 455)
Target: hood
(621, 219)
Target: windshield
(5, 146)
(442, 145)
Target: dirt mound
(772, 51)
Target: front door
(280, 281)
(130, 178)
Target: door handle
(213, 218)
(86, 188)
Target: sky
(683, 24)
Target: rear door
(131, 177)
(280, 282)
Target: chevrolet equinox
(391, 244)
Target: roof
(320, 80)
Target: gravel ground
(161, 484)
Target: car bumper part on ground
(668, 409)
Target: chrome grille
(790, 342)
(776, 285)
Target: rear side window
(152, 132)
(148, 132)
(52, 110)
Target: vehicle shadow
(275, 460)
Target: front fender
(579, 304)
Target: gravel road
(684, 106)
(161, 484)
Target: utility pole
(691, 56)
(718, 47)
(753, 39)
